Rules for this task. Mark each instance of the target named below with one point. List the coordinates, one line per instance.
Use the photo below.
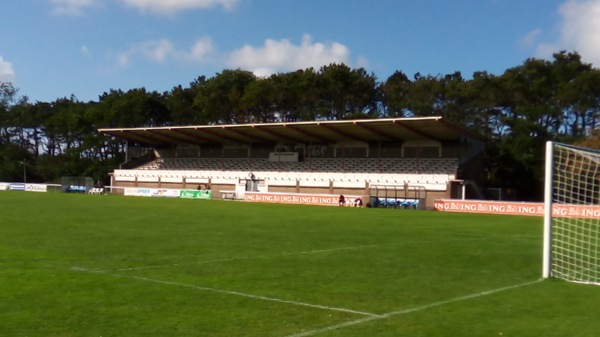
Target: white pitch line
(229, 292)
(317, 251)
(410, 310)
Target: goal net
(572, 214)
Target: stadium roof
(365, 130)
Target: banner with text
(297, 198)
(151, 192)
(36, 188)
(24, 187)
(195, 194)
(515, 208)
(16, 187)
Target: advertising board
(195, 194)
(515, 208)
(36, 188)
(297, 198)
(16, 187)
(152, 192)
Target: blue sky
(51, 49)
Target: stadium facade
(380, 160)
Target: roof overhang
(364, 130)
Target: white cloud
(579, 31)
(123, 59)
(155, 50)
(158, 50)
(581, 27)
(530, 39)
(7, 73)
(202, 50)
(546, 50)
(174, 6)
(279, 56)
(362, 62)
(85, 51)
(73, 7)
(161, 7)
(163, 50)
(274, 56)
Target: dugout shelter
(414, 158)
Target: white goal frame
(572, 214)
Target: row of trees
(515, 112)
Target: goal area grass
(99, 265)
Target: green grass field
(86, 265)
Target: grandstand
(403, 158)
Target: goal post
(572, 214)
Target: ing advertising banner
(516, 208)
(295, 198)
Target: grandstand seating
(354, 165)
(431, 173)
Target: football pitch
(95, 265)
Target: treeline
(516, 112)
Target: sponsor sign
(36, 188)
(151, 192)
(195, 194)
(165, 193)
(515, 208)
(17, 187)
(76, 188)
(137, 192)
(297, 198)
(24, 187)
